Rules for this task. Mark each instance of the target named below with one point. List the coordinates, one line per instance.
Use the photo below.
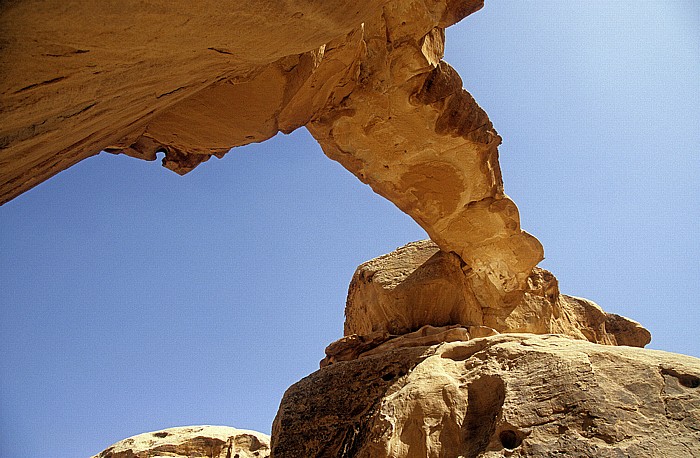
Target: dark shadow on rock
(485, 397)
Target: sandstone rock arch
(366, 78)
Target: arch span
(366, 78)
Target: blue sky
(133, 299)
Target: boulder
(518, 395)
(191, 442)
(419, 284)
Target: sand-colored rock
(517, 395)
(419, 285)
(190, 78)
(194, 80)
(359, 346)
(410, 131)
(190, 442)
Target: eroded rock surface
(366, 78)
(410, 131)
(190, 78)
(505, 395)
(190, 442)
(359, 346)
(419, 285)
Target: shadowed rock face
(86, 76)
(518, 395)
(190, 442)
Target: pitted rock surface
(518, 395)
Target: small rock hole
(509, 439)
(689, 381)
(388, 377)
(686, 380)
(162, 434)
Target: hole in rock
(485, 397)
(689, 381)
(388, 377)
(686, 380)
(160, 155)
(509, 439)
(161, 434)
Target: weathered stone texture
(194, 80)
(518, 395)
(410, 131)
(190, 78)
(419, 285)
(191, 442)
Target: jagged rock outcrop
(419, 285)
(519, 395)
(190, 442)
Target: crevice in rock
(43, 83)
(486, 396)
(686, 380)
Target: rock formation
(141, 76)
(190, 442)
(519, 395)
(366, 78)
(440, 356)
(419, 285)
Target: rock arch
(366, 78)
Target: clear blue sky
(133, 299)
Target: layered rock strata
(191, 442)
(518, 395)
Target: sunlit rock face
(192, 441)
(410, 131)
(449, 346)
(419, 285)
(519, 395)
